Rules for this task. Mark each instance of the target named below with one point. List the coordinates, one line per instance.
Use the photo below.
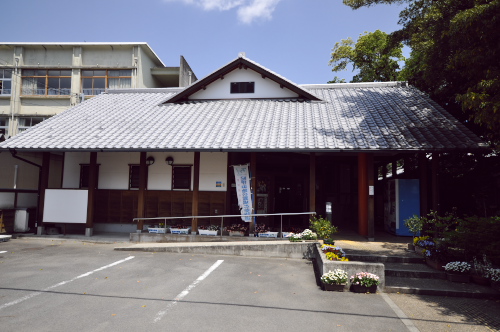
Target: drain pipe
(14, 155)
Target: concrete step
(438, 287)
(383, 258)
(412, 270)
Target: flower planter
(480, 280)
(207, 232)
(458, 277)
(180, 230)
(285, 234)
(334, 287)
(363, 289)
(157, 230)
(420, 251)
(269, 234)
(236, 233)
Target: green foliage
(323, 227)
(414, 224)
(337, 79)
(454, 58)
(371, 54)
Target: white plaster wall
(110, 57)
(114, 169)
(48, 57)
(160, 174)
(264, 88)
(71, 172)
(213, 168)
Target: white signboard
(243, 191)
(65, 206)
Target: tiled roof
(386, 117)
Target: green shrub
(323, 227)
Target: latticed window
(27, 122)
(5, 81)
(95, 82)
(46, 82)
(181, 177)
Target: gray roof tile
(352, 118)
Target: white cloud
(248, 10)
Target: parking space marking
(29, 296)
(3, 252)
(186, 291)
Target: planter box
(236, 233)
(364, 289)
(437, 265)
(180, 230)
(207, 232)
(157, 230)
(480, 280)
(334, 287)
(285, 234)
(269, 234)
(457, 277)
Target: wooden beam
(91, 193)
(424, 184)
(141, 199)
(435, 182)
(312, 182)
(196, 188)
(363, 194)
(44, 183)
(253, 170)
(371, 197)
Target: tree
(455, 51)
(371, 55)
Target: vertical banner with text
(242, 178)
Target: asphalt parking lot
(54, 285)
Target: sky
(293, 38)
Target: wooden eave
(240, 63)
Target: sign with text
(242, 178)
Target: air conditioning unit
(21, 220)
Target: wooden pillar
(312, 182)
(371, 197)
(394, 169)
(253, 170)
(363, 194)
(196, 188)
(141, 199)
(435, 182)
(424, 184)
(44, 184)
(89, 226)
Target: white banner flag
(243, 191)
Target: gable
(264, 88)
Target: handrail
(230, 216)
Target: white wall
(114, 169)
(264, 88)
(213, 169)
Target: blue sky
(291, 37)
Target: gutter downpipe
(14, 153)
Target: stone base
(89, 231)
(40, 230)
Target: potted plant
(334, 253)
(494, 276)
(334, 280)
(237, 230)
(264, 231)
(414, 224)
(288, 231)
(180, 229)
(295, 237)
(458, 271)
(480, 269)
(208, 230)
(307, 234)
(423, 244)
(323, 227)
(364, 282)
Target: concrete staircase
(408, 274)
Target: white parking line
(186, 291)
(3, 252)
(400, 314)
(29, 296)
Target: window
(5, 81)
(181, 177)
(84, 175)
(242, 87)
(25, 123)
(4, 127)
(95, 82)
(46, 82)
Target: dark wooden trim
(143, 172)
(196, 188)
(253, 184)
(371, 198)
(44, 182)
(312, 181)
(435, 182)
(91, 190)
(424, 184)
(362, 194)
